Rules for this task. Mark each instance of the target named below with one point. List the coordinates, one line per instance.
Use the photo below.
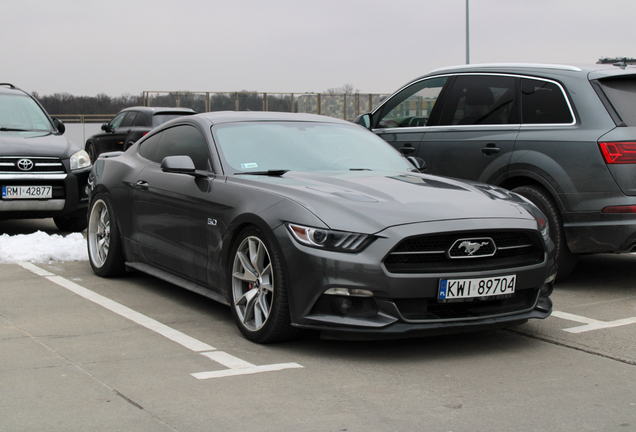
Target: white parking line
(235, 365)
(590, 323)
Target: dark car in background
(300, 221)
(128, 126)
(42, 175)
(562, 136)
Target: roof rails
(513, 65)
(8, 85)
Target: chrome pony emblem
(25, 164)
(472, 248)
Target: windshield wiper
(6, 129)
(360, 169)
(273, 173)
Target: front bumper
(395, 303)
(69, 196)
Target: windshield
(21, 113)
(299, 146)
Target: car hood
(369, 201)
(35, 144)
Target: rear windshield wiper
(273, 173)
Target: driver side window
(114, 123)
(412, 106)
(184, 141)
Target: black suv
(42, 174)
(128, 126)
(564, 137)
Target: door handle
(407, 149)
(143, 185)
(490, 149)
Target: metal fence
(339, 105)
(345, 106)
(84, 118)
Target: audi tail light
(618, 152)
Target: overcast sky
(87, 47)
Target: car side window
(543, 102)
(412, 106)
(148, 147)
(116, 122)
(128, 120)
(480, 100)
(183, 140)
(140, 120)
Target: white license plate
(26, 192)
(456, 289)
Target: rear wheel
(104, 245)
(258, 290)
(566, 260)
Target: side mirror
(59, 125)
(106, 127)
(364, 120)
(418, 163)
(178, 164)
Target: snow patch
(42, 247)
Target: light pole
(467, 36)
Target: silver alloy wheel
(99, 233)
(252, 283)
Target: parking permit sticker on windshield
(249, 165)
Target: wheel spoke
(266, 277)
(102, 249)
(249, 273)
(248, 302)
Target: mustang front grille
(466, 251)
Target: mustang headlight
(339, 241)
(80, 160)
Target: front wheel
(104, 244)
(566, 260)
(92, 151)
(258, 290)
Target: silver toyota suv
(42, 175)
(564, 137)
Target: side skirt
(175, 280)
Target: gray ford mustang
(308, 222)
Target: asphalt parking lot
(78, 352)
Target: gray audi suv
(562, 136)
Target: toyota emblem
(25, 164)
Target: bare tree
(346, 89)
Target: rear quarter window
(543, 102)
(621, 93)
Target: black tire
(258, 292)
(104, 244)
(70, 224)
(566, 260)
(92, 151)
